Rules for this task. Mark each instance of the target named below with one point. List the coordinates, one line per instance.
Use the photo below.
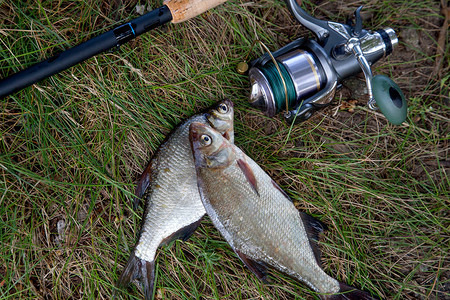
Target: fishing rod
(175, 11)
(303, 76)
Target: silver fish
(169, 184)
(257, 218)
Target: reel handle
(381, 89)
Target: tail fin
(143, 270)
(350, 293)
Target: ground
(74, 145)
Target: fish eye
(223, 108)
(205, 139)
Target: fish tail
(347, 292)
(141, 269)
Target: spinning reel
(302, 76)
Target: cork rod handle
(183, 10)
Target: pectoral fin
(248, 174)
(258, 268)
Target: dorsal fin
(313, 229)
(281, 190)
(248, 174)
(142, 185)
(258, 268)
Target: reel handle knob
(389, 98)
(381, 89)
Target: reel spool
(302, 76)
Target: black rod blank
(77, 54)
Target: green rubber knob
(389, 98)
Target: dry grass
(73, 146)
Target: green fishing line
(273, 76)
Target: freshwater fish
(257, 218)
(169, 184)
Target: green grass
(73, 146)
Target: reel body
(308, 71)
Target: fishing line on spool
(277, 75)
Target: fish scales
(256, 217)
(266, 227)
(171, 190)
(173, 205)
